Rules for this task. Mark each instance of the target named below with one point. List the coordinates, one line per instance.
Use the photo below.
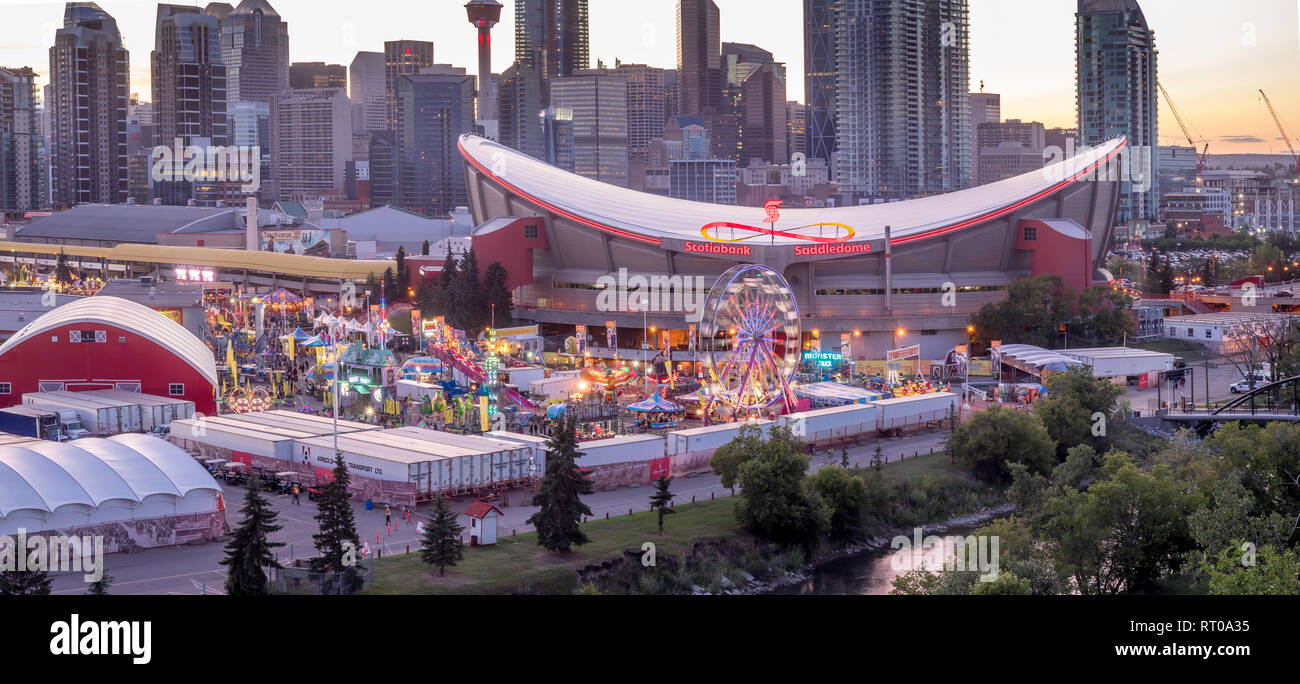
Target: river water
(870, 572)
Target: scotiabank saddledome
(558, 234)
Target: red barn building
(107, 343)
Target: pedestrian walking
(388, 515)
(295, 495)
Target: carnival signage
(823, 359)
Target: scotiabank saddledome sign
(829, 239)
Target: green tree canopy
(441, 545)
(992, 439)
(559, 498)
(248, 552)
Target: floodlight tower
(484, 14)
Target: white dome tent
(133, 489)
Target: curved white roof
(650, 218)
(1037, 356)
(137, 318)
(90, 471)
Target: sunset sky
(1214, 54)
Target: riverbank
(870, 546)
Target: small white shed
(483, 523)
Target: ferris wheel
(752, 321)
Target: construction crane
(1285, 137)
(1200, 160)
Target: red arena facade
(107, 343)
(873, 275)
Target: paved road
(196, 569)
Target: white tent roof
(90, 471)
(121, 313)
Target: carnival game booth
(263, 441)
(405, 466)
(657, 413)
(135, 491)
(368, 369)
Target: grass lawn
(518, 563)
(915, 467)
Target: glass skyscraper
(1117, 95)
(902, 98)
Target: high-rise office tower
(189, 89)
(819, 22)
(599, 106)
(551, 36)
(366, 90)
(763, 127)
(1116, 60)
(435, 107)
(752, 121)
(250, 124)
(88, 64)
(984, 108)
(796, 127)
(519, 103)
(699, 58)
(484, 14)
(383, 168)
(557, 137)
(671, 108)
(645, 108)
(902, 98)
(315, 75)
(402, 57)
(255, 51)
(311, 133)
(20, 159)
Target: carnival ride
(461, 362)
(752, 320)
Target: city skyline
(1215, 56)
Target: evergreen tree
(337, 542)
(475, 313)
(877, 459)
(389, 284)
(248, 550)
(424, 248)
(441, 545)
(62, 273)
(500, 302)
(844, 456)
(559, 499)
(662, 499)
(450, 290)
(402, 279)
(24, 583)
(101, 585)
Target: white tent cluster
(58, 486)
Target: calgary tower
(484, 14)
